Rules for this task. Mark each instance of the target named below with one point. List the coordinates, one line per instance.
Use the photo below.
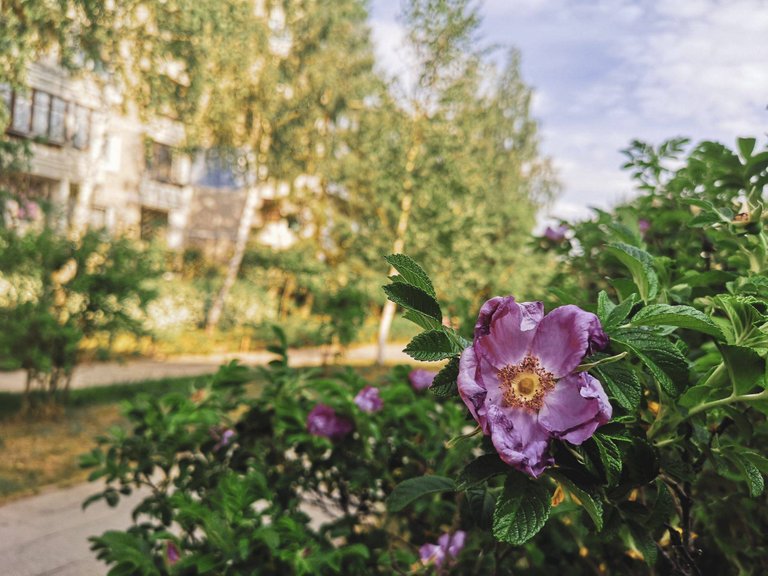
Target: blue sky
(609, 71)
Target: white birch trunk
(233, 268)
(388, 312)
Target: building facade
(97, 166)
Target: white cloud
(608, 71)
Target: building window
(82, 127)
(22, 113)
(154, 224)
(160, 163)
(41, 112)
(57, 132)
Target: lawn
(36, 453)
(39, 452)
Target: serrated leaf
(522, 509)
(413, 298)
(481, 469)
(421, 320)
(663, 508)
(431, 346)
(621, 383)
(644, 543)
(610, 457)
(604, 307)
(412, 489)
(750, 473)
(760, 461)
(481, 506)
(444, 383)
(665, 362)
(640, 265)
(679, 316)
(411, 272)
(619, 313)
(591, 503)
(746, 368)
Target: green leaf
(604, 307)
(431, 346)
(665, 362)
(749, 471)
(680, 316)
(757, 164)
(610, 457)
(481, 469)
(591, 503)
(619, 313)
(413, 298)
(522, 509)
(644, 542)
(640, 265)
(411, 272)
(412, 489)
(746, 146)
(621, 383)
(746, 368)
(760, 461)
(444, 383)
(481, 505)
(421, 320)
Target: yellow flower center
(524, 385)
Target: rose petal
(505, 329)
(368, 400)
(421, 379)
(519, 439)
(456, 544)
(470, 387)
(564, 337)
(575, 408)
(431, 553)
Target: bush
(58, 291)
(239, 485)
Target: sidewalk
(47, 535)
(106, 373)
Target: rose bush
(623, 432)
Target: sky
(605, 72)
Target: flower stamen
(525, 385)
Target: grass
(36, 452)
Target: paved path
(47, 534)
(104, 373)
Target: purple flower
(223, 438)
(643, 225)
(447, 548)
(368, 400)
(556, 234)
(323, 421)
(421, 379)
(518, 379)
(172, 554)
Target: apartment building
(95, 166)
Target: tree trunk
(388, 313)
(233, 268)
